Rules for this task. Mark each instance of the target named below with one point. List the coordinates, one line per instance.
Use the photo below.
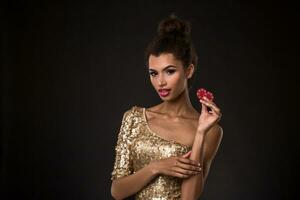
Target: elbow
(114, 192)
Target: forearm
(192, 187)
(129, 185)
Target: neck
(179, 107)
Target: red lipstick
(164, 92)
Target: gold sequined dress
(137, 146)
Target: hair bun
(174, 26)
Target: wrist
(201, 131)
(153, 168)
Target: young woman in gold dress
(165, 151)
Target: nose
(161, 81)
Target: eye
(152, 73)
(171, 71)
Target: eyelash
(171, 71)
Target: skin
(170, 119)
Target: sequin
(136, 147)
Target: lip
(164, 92)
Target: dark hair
(174, 36)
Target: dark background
(71, 69)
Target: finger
(217, 112)
(179, 175)
(203, 106)
(185, 171)
(212, 105)
(188, 161)
(187, 154)
(189, 167)
(208, 102)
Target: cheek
(176, 79)
(151, 80)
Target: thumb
(203, 108)
(187, 154)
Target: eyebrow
(165, 68)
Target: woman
(165, 151)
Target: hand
(208, 118)
(177, 166)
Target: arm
(124, 181)
(180, 167)
(129, 185)
(192, 187)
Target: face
(168, 76)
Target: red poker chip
(201, 92)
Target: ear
(190, 71)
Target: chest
(148, 147)
(182, 131)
